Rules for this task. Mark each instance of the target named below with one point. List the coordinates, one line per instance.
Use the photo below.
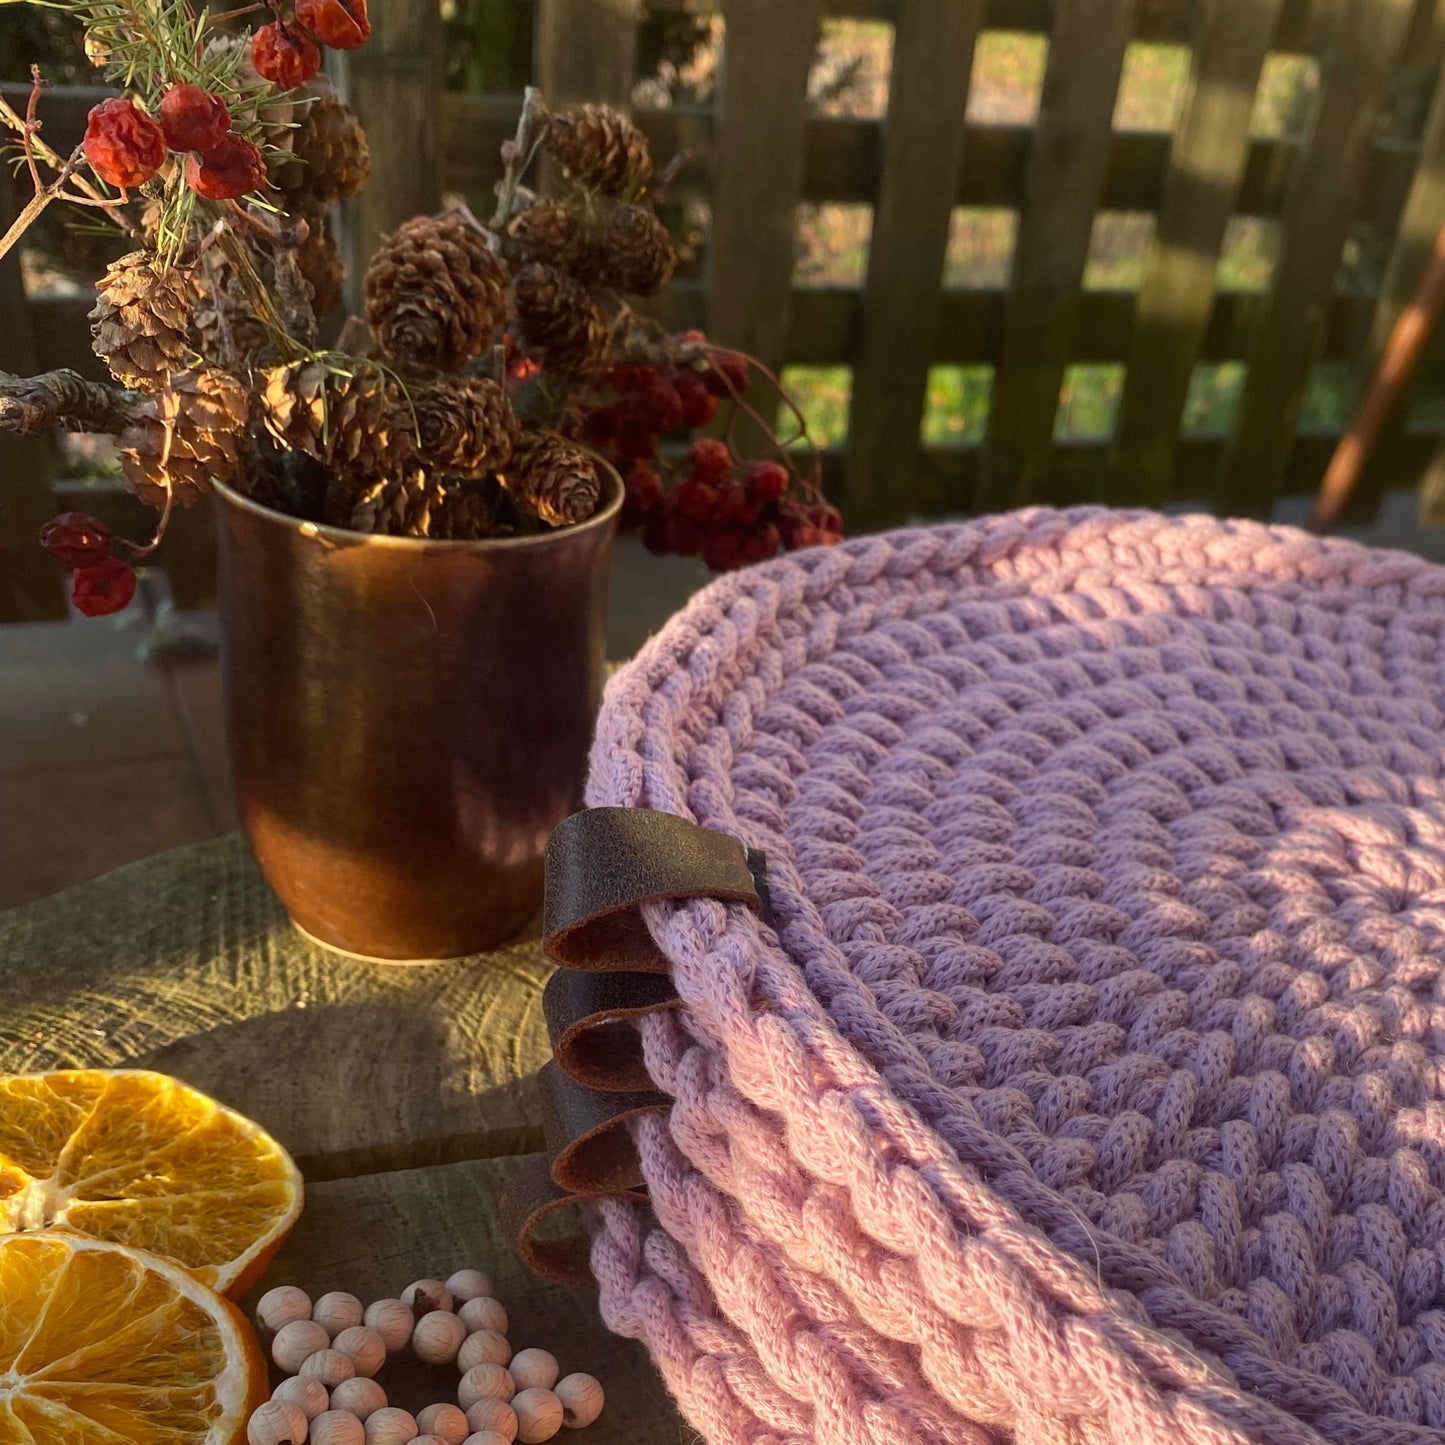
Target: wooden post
(763, 114)
(1290, 330)
(395, 83)
(31, 581)
(587, 50)
(923, 147)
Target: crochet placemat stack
(1086, 1084)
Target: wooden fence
(1362, 165)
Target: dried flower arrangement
(497, 361)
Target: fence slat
(762, 113)
(1066, 176)
(1317, 220)
(30, 579)
(587, 50)
(1420, 223)
(1210, 152)
(932, 63)
(394, 82)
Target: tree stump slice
(187, 963)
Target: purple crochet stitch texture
(1087, 1085)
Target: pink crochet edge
(825, 1265)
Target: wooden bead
(582, 1400)
(539, 1415)
(390, 1427)
(444, 1421)
(488, 1437)
(296, 1343)
(485, 1382)
(360, 1397)
(302, 1390)
(279, 1306)
(392, 1320)
(277, 1422)
(483, 1347)
(365, 1346)
(337, 1427)
(484, 1313)
(437, 1337)
(468, 1284)
(426, 1295)
(534, 1369)
(331, 1367)
(337, 1311)
(494, 1415)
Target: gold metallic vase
(408, 720)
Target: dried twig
(517, 157)
(33, 405)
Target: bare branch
(34, 405)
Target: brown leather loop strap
(592, 1022)
(604, 863)
(533, 1210)
(587, 1134)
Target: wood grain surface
(187, 963)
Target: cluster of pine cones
(188, 338)
(415, 433)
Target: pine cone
(330, 158)
(186, 437)
(435, 293)
(561, 325)
(636, 252)
(465, 424)
(400, 505)
(141, 321)
(227, 331)
(554, 478)
(469, 513)
(600, 149)
(319, 258)
(551, 232)
(351, 422)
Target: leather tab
(592, 1022)
(587, 1135)
(604, 863)
(532, 1212)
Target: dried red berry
(767, 481)
(232, 170)
(793, 518)
(192, 119)
(635, 441)
(661, 403)
(124, 146)
(699, 405)
(728, 375)
(759, 546)
(710, 459)
(103, 587)
(736, 507)
(722, 551)
(76, 539)
(829, 519)
(694, 500)
(642, 495)
(285, 55)
(598, 427)
(683, 536)
(341, 24)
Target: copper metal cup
(408, 720)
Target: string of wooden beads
(331, 1348)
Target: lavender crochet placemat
(1087, 1085)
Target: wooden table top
(404, 1093)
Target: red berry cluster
(101, 583)
(710, 503)
(126, 145)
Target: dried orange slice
(104, 1345)
(142, 1159)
